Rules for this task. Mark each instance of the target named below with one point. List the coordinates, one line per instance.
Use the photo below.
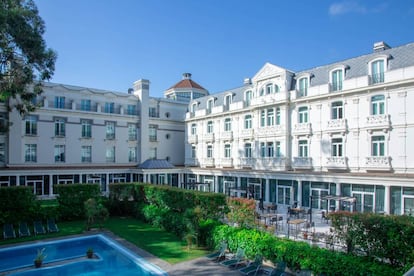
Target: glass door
(409, 206)
(364, 202)
(283, 195)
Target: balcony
(378, 163)
(335, 87)
(378, 122)
(336, 163)
(376, 78)
(247, 133)
(246, 162)
(302, 163)
(271, 131)
(208, 137)
(192, 139)
(303, 129)
(226, 162)
(226, 135)
(272, 163)
(208, 162)
(191, 162)
(337, 125)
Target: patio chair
(38, 227)
(279, 270)
(8, 231)
(219, 255)
(24, 230)
(51, 226)
(236, 260)
(324, 217)
(252, 267)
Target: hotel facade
(318, 138)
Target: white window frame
(303, 148)
(336, 77)
(378, 104)
(248, 95)
(227, 124)
(209, 151)
(248, 121)
(378, 146)
(270, 118)
(86, 154)
(378, 77)
(60, 127)
(59, 153)
(86, 126)
(227, 150)
(303, 86)
(248, 150)
(210, 128)
(337, 147)
(193, 129)
(303, 114)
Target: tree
(25, 60)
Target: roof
(187, 83)
(156, 164)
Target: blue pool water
(113, 258)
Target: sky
(109, 44)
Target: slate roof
(156, 164)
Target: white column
(50, 184)
(267, 191)
(299, 198)
(387, 202)
(338, 193)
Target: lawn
(158, 242)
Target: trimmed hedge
(298, 255)
(17, 203)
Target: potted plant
(89, 253)
(38, 261)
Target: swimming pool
(67, 257)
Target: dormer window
(303, 86)
(193, 107)
(210, 104)
(277, 88)
(337, 79)
(269, 88)
(227, 102)
(377, 71)
(248, 95)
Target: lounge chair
(8, 231)
(236, 260)
(23, 229)
(51, 226)
(253, 267)
(220, 254)
(279, 270)
(38, 228)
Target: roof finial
(187, 76)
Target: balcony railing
(376, 78)
(336, 163)
(303, 129)
(192, 162)
(226, 135)
(208, 137)
(208, 162)
(337, 125)
(302, 162)
(336, 86)
(247, 133)
(381, 163)
(226, 162)
(192, 139)
(378, 121)
(246, 162)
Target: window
(377, 71)
(262, 149)
(210, 127)
(269, 88)
(3, 123)
(193, 129)
(303, 148)
(153, 153)
(59, 102)
(131, 109)
(59, 153)
(303, 87)
(248, 97)
(109, 107)
(378, 105)
(270, 117)
(337, 78)
(227, 124)
(86, 154)
(248, 150)
(132, 132)
(209, 151)
(86, 128)
(378, 146)
(110, 154)
(60, 127)
(337, 110)
(278, 116)
(110, 130)
(2, 152)
(30, 153)
(153, 112)
(248, 121)
(193, 108)
(132, 154)
(210, 104)
(303, 114)
(227, 151)
(263, 118)
(227, 102)
(86, 105)
(193, 151)
(277, 88)
(270, 149)
(31, 125)
(337, 147)
(278, 149)
(153, 133)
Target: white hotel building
(339, 130)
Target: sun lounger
(8, 231)
(51, 226)
(220, 254)
(38, 228)
(237, 259)
(23, 229)
(279, 270)
(253, 267)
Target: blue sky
(109, 44)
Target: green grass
(158, 242)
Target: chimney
(381, 46)
(247, 81)
(187, 76)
